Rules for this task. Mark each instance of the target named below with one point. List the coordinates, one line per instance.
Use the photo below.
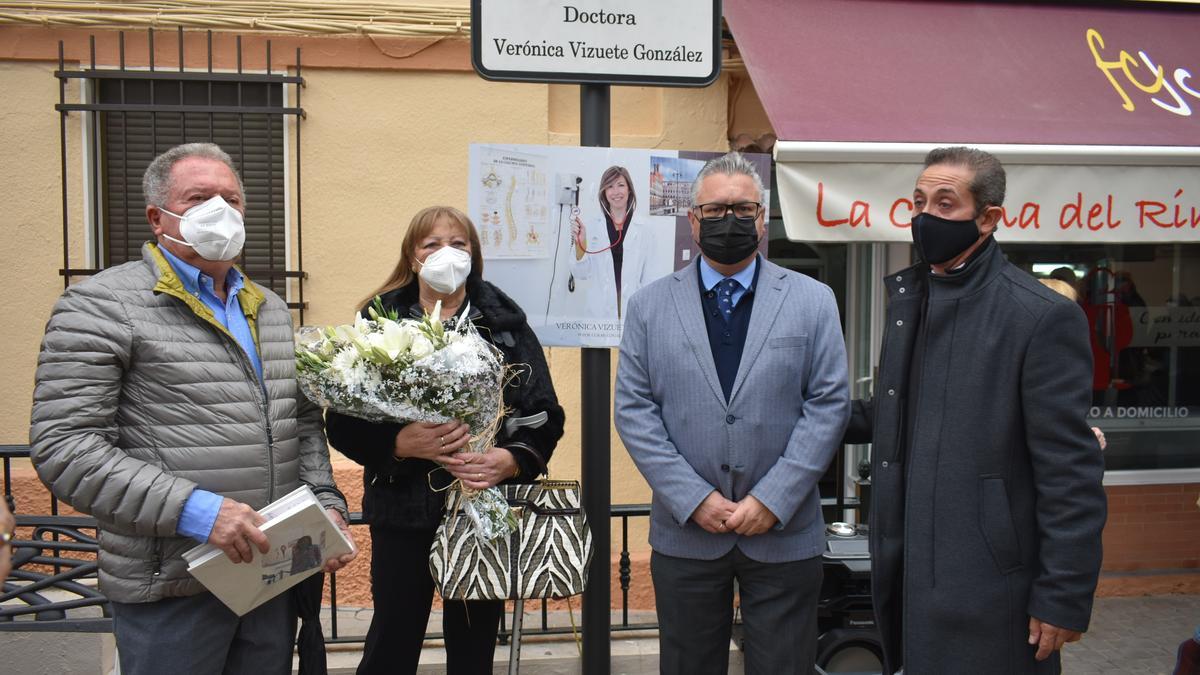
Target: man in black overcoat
(987, 506)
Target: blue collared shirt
(201, 508)
(709, 277)
(227, 312)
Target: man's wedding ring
(442, 441)
(478, 476)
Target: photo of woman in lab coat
(611, 256)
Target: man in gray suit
(731, 398)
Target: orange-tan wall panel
(31, 251)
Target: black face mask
(728, 240)
(939, 240)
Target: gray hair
(987, 185)
(729, 164)
(156, 182)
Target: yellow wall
(31, 226)
(376, 146)
(649, 117)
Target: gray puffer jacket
(141, 397)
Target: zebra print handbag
(546, 557)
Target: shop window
(1142, 302)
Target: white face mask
(214, 229)
(446, 269)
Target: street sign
(659, 43)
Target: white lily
(348, 333)
(392, 342)
(462, 319)
(421, 347)
(435, 320)
(362, 324)
(411, 329)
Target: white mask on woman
(446, 269)
(214, 229)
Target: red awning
(973, 72)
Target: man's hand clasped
(748, 517)
(713, 512)
(751, 518)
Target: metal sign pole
(594, 124)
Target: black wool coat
(401, 494)
(987, 505)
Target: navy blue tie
(725, 291)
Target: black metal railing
(51, 569)
(58, 561)
(60, 556)
(51, 596)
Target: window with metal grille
(135, 114)
(129, 140)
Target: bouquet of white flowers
(384, 368)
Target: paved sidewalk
(1128, 636)
(1134, 635)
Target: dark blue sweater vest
(726, 339)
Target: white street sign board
(663, 42)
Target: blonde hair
(1062, 288)
(421, 225)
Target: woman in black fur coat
(407, 465)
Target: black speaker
(848, 642)
(844, 651)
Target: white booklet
(302, 537)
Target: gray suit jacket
(773, 439)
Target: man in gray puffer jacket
(166, 406)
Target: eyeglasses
(717, 211)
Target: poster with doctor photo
(572, 233)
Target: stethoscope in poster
(572, 233)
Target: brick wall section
(1152, 527)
